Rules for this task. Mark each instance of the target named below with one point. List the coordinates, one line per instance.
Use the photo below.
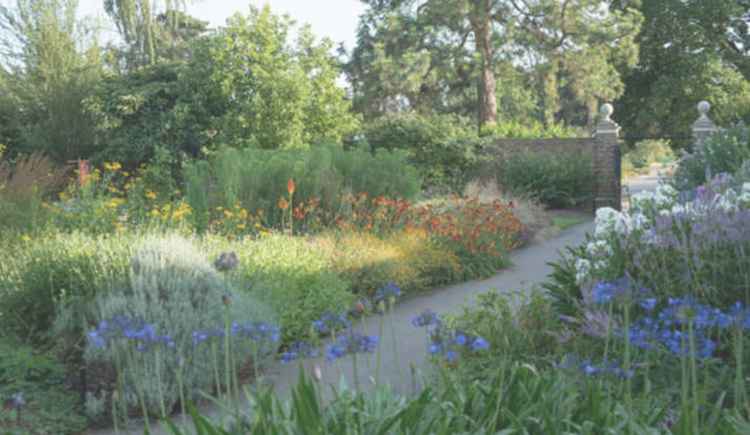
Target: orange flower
(283, 204)
(290, 186)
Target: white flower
(608, 220)
(638, 221)
(583, 268)
(599, 248)
(664, 213)
(746, 188)
(662, 201)
(667, 190)
(678, 209)
(601, 264)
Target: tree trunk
(551, 93)
(482, 26)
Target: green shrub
(257, 179)
(44, 274)
(521, 327)
(50, 405)
(293, 276)
(646, 153)
(442, 147)
(556, 180)
(174, 288)
(723, 152)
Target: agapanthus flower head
(425, 318)
(350, 344)
(299, 350)
(257, 331)
(479, 343)
(226, 261)
(329, 322)
(389, 293)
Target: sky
(336, 19)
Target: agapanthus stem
(355, 373)
(378, 360)
(694, 377)
(739, 384)
(394, 343)
(160, 388)
(627, 354)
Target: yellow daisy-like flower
(26, 238)
(112, 166)
(228, 213)
(150, 194)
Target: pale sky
(336, 19)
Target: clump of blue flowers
(448, 344)
(299, 350)
(330, 322)
(667, 328)
(389, 293)
(135, 330)
(350, 344)
(427, 318)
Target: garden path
(406, 346)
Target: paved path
(529, 268)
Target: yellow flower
(113, 189)
(241, 226)
(125, 173)
(150, 194)
(26, 238)
(114, 166)
(155, 212)
(228, 213)
(63, 196)
(115, 202)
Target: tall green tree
(150, 29)
(684, 58)
(248, 84)
(50, 61)
(431, 52)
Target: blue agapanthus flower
(331, 322)
(350, 344)
(299, 350)
(479, 343)
(390, 292)
(425, 318)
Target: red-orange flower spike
(290, 186)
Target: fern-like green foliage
(257, 179)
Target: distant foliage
(440, 146)
(532, 130)
(556, 180)
(724, 152)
